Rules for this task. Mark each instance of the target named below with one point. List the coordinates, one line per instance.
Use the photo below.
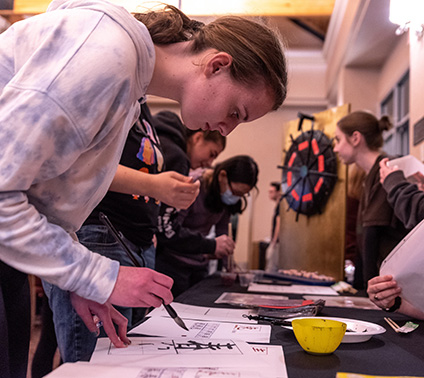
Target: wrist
(396, 305)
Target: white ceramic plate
(357, 331)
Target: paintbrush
(230, 257)
(120, 239)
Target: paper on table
(293, 289)
(87, 369)
(204, 330)
(97, 371)
(276, 366)
(253, 300)
(272, 354)
(171, 352)
(406, 264)
(206, 313)
(349, 302)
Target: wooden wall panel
(316, 243)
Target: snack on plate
(305, 274)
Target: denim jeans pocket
(98, 239)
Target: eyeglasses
(237, 193)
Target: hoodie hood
(168, 125)
(136, 30)
(173, 140)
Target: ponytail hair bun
(385, 124)
(368, 125)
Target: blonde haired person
(70, 82)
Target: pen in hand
(120, 239)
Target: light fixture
(408, 14)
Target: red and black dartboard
(309, 172)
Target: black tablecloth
(386, 354)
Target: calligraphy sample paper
(293, 289)
(272, 355)
(162, 326)
(186, 311)
(169, 352)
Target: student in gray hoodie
(70, 82)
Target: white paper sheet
(406, 264)
(344, 301)
(206, 313)
(272, 356)
(293, 289)
(205, 330)
(408, 164)
(169, 352)
(86, 369)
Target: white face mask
(229, 198)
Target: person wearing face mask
(183, 251)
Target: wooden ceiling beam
(30, 7)
(288, 8)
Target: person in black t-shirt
(134, 214)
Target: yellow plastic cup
(318, 336)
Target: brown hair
(209, 136)
(356, 176)
(368, 125)
(256, 49)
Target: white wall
(263, 140)
(416, 90)
(359, 87)
(395, 66)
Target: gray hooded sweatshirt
(69, 83)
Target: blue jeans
(74, 340)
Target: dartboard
(309, 172)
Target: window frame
(396, 106)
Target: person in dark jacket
(183, 252)
(183, 149)
(359, 138)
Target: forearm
(405, 198)
(407, 309)
(131, 181)
(31, 244)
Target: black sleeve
(173, 235)
(405, 198)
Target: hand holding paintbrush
(120, 239)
